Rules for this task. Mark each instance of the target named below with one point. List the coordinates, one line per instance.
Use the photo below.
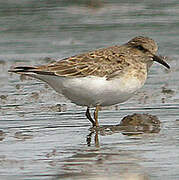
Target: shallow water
(40, 140)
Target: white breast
(90, 91)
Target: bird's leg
(88, 138)
(96, 115)
(96, 139)
(89, 117)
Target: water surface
(40, 140)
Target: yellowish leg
(96, 115)
(96, 139)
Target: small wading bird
(102, 77)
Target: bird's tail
(30, 70)
(22, 69)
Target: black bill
(161, 61)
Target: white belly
(92, 91)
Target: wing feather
(102, 63)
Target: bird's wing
(102, 63)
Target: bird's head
(149, 47)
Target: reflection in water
(94, 4)
(23, 135)
(130, 125)
(2, 135)
(104, 164)
(96, 138)
(122, 176)
(40, 139)
(94, 164)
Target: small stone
(167, 91)
(17, 86)
(35, 95)
(139, 120)
(4, 97)
(59, 108)
(140, 123)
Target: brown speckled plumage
(108, 62)
(111, 75)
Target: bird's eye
(140, 47)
